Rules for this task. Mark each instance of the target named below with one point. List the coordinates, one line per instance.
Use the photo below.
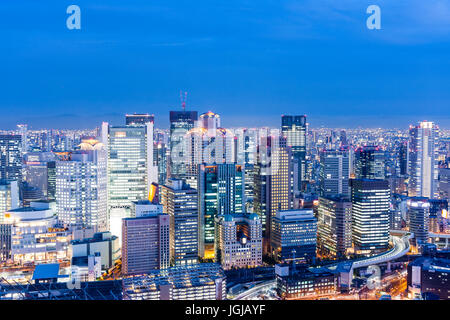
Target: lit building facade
(370, 215)
(419, 218)
(9, 197)
(294, 236)
(273, 182)
(220, 191)
(145, 243)
(295, 282)
(205, 281)
(423, 157)
(293, 129)
(208, 143)
(130, 169)
(334, 228)
(40, 172)
(35, 236)
(11, 157)
(238, 242)
(334, 173)
(81, 190)
(181, 122)
(370, 163)
(180, 202)
(427, 275)
(139, 119)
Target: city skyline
(225, 150)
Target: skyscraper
(139, 119)
(419, 218)
(238, 241)
(81, 190)
(334, 173)
(423, 156)
(209, 143)
(294, 129)
(273, 181)
(444, 183)
(11, 157)
(145, 243)
(180, 123)
(40, 172)
(130, 169)
(23, 130)
(370, 215)
(334, 225)
(294, 236)
(9, 197)
(220, 192)
(180, 202)
(403, 156)
(369, 163)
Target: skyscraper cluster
(152, 204)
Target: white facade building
(81, 190)
(238, 241)
(423, 155)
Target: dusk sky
(249, 61)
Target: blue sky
(250, 61)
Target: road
(401, 248)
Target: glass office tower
(130, 169)
(370, 215)
(293, 129)
(180, 203)
(220, 192)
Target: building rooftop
(46, 271)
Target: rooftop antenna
(183, 99)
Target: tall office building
(334, 225)
(220, 191)
(370, 215)
(238, 241)
(369, 163)
(145, 243)
(40, 172)
(23, 131)
(334, 173)
(294, 129)
(444, 183)
(273, 181)
(209, 143)
(11, 157)
(423, 156)
(180, 202)
(139, 119)
(9, 197)
(403, 156)
(294, 236)
(246, 141)
(81, 190)
(419, 218)
(180, 124)
(130, 169)
(160, 157)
